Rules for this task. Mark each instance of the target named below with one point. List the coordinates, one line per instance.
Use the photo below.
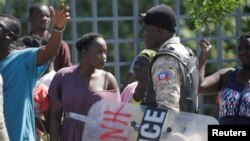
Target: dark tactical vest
(190, 75)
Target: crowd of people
(42, 92)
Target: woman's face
(141, 68)
(244, 51)
(97, 53)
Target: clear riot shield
(114, 121)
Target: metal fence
(119, 44)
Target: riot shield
(115, 121)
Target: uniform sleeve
(166, 78)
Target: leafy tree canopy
(209, 13)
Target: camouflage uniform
(167, 76)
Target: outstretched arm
(59, 20)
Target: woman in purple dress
(75, 89)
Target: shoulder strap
(172, 52)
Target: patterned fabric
(166, 79)
(166, 76)
(234, 101)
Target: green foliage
(209, 13)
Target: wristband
(59, 30)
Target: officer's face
(150, 36)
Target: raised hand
(205, 49)
(205, 46)
(60, 18)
